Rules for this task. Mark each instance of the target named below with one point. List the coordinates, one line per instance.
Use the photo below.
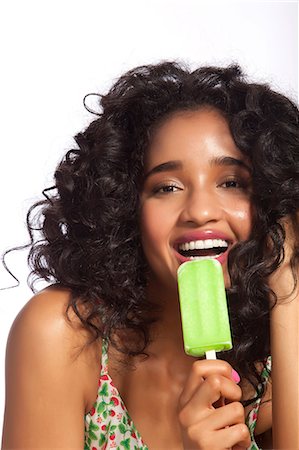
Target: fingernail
(235, 376)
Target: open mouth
(203, 249)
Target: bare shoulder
(49, 304)
(45, 324)
(45, 330)
(50, 366)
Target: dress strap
(251, 418)
(104, 361)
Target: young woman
(178, 164)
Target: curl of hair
(89, 240)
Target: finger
(236, 435)
(201, 369)
(226, 416)
(211, 389)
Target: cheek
(151, 230)
(241, 216)
(147, 225)
(156, 225)
(155, 219)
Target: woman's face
(195, 201)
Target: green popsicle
(204, 313)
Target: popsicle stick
(211, 354)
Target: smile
(203, 249)
(206, 244)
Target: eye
(166, 188)
(234, 183)
(231, 184)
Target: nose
(200, 207)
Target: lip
(221, 258)
(201, 235)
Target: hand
(204, 426)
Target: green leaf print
(122, 428)
(93, 426)
(104, 390)
(126, 444)
(101, 407)
(103, 439)
(112, 428)
(92, 435)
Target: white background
(54, 52)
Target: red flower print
(133, 434)
(94, 448)
(104, 377)
(103, 427)
(115, 401)
(92, 411)
(112, 413)
(112, 437)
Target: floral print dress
(108, 424)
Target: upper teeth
(203, 244)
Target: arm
(285, 354)
(49, 382)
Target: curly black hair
(85, 234)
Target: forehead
(192, 134)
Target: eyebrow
(165, 167)
(229, 161)
(171, 166)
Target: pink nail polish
(235, 376)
